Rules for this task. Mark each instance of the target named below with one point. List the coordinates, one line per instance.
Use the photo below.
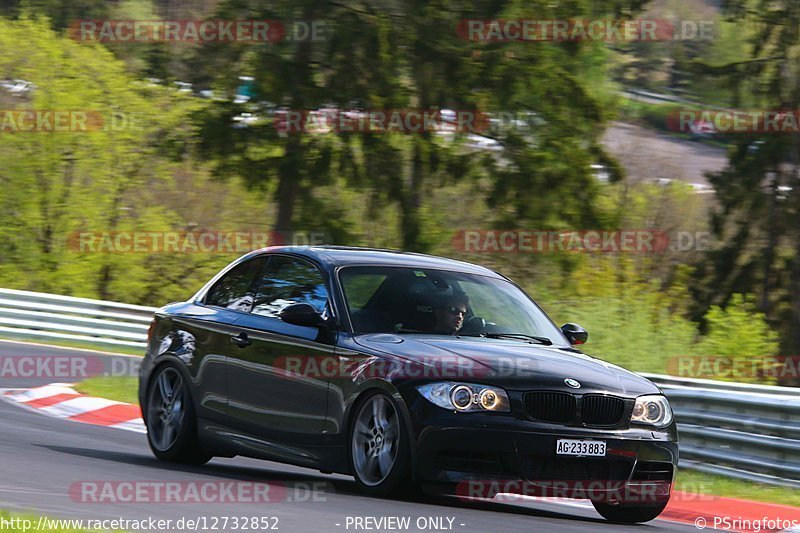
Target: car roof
(335, 256)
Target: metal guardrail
(737, 430)
(42, 316)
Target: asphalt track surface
(649, 155)
(42, 458)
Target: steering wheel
(473, 325)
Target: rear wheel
(380, 447)
(628, 514)
(170, 419)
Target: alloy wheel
(166, 409)
(376, 437)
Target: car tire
(380, 447)
(170, 418)
(628, 514)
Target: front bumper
(483, 454)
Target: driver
(451, 313)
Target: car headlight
(653, 410)
(466, 397)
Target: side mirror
(302, 314)
(575, 334)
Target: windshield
(419, 300)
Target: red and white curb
(62, 401)
(704, 511)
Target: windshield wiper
(407, 330)
(521, 336)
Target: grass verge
(697, 483)
(123, 350)
(659, 117)
(119, 388)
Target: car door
(206, 326)
(277, 378)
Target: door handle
(241, 340)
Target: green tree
(758, 213)
(739, 334)
(57, 184)
(61, 13)
(409, 54)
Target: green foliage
(738, 330)
(185, 167)
(697, 484)
(630, 323)
(664, 65)
(58, 184)
(410, 56)
(61, 12)
(756, 218)
(739, 334)
(655, 116)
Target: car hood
(512, 364)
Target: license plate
(594, 448)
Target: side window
(235, 289)
(289, 281)
(361, 287)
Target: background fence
(734, 429)
(41, 316)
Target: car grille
(652, 471)
(470, 461)
(550, 406)
(561, 408)
(597, 410)
(569, 468)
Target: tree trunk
(289, 170)
(286, 194)
(768, 257)
(412, 200)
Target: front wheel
(380, 447)
(170, 419)
(628, 514)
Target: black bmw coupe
(402, 369)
